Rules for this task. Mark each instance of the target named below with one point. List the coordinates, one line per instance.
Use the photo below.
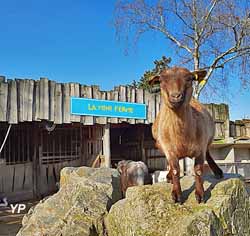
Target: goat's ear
(154, 80)
(199, 75)
(121, 168)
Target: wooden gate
(58, 149)
(32, 158)
(92, 143)
(16, 172)
(66, 146)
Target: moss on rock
(78, 209)
(149, 210)
(82, 208)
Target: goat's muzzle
(176, 99)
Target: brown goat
(183, 128)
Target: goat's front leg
(198, 171)
(169, 176)
(175, 174)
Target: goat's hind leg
(175, 173)
(198, 171)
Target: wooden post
(12, 115)
(247, 127)
(106, 145)
(3, 100)
(142, 136)
(36, 164)
(2, 79)
(58, 104)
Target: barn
(39, 135)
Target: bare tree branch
(231, 58)
(211, 34)
(180, 17)
(207, 17)
(170, 37)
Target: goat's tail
(214, 167)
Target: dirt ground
(10, 222)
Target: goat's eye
(191, 78)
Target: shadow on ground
(212, 183)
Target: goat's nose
(176, 95)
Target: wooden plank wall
(16, 178)
(240, 128)
(28, 100)
(220, 114)
(92, 144)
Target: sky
(75, 41)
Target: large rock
(81, 206)
(149, 211)
(78, 209)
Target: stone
(78, 208)
(89, 203)
(149, 211)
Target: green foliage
(160, 65)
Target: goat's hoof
(199, 198)
(176, 197)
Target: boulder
(149, 210)
(78, 208)
(88, 204)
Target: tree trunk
(189, 163)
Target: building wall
(32, 157)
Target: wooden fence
(240, 128)
(29, 100)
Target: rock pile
(88, 204)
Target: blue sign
(95, 107)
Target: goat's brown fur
(183, 128)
